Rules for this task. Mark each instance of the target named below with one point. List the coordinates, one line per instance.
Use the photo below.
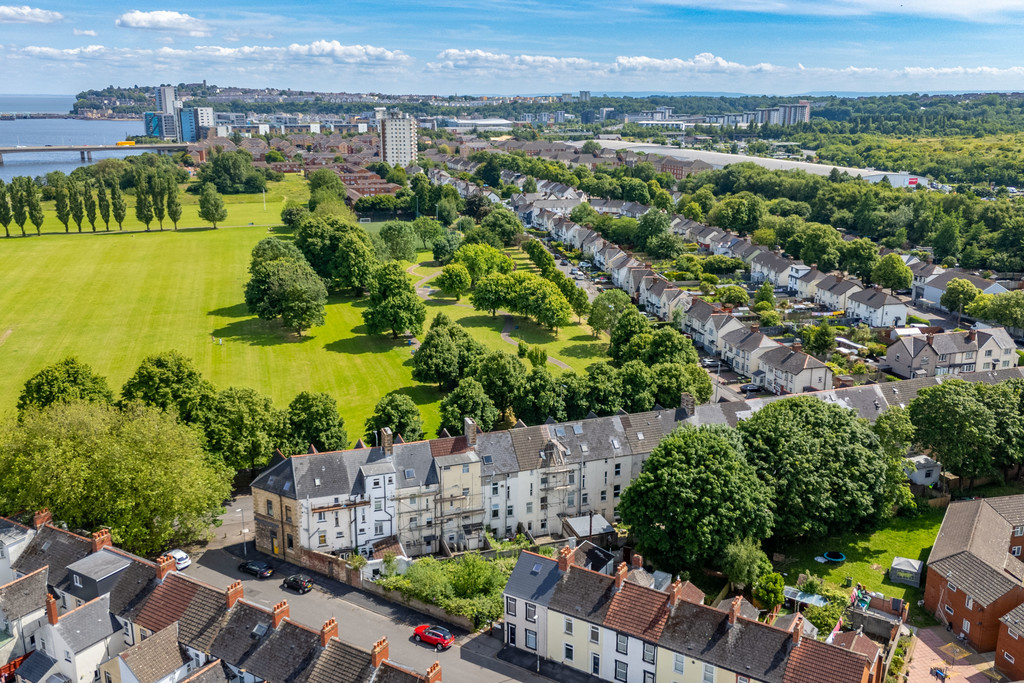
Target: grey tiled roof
(286, 655)
(214, 672)
(873, 298)
(202, 620)
(88, 624)
(834, 285)
(134, 583)
(37, 667)
(534, 578)
(238, 638)
(341, 663)
(788, 360)
(583, 594)
(23, 596)
(54, 548)
(156, 657)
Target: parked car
(752, 388)
(438, 636)
(709, 362)
(257, 568)
(564, 262)
(299, 583)
(181, 558)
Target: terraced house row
(617, 628)
(79, 610)
(441, 495)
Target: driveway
(933, 649)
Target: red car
(438, 636)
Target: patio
(937, 647)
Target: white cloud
(989, 11)
(479, 61)
(164, 20)
(84, 32)
(10, 14)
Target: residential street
(362, 618)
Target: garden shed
(906, 571)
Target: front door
(511, 633)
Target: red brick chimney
(929, 338)
(972, 335)
(233, 593)
(100, 540)
(434, 673)
(675, 593)
(379, 652)
(798, 629)
(51, 610)
(164, 565)
(620, 574)
(734, 610)
(329, 630)
(638, 560)
(42, 517)
(564, 558)
(798, 347)
(755, 328)
(280, 613)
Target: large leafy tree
(173, 202)
(211, 205)
(398, 413)
(400, 238)
(393, 304)
(428, 230)
(118, 206)
(232, 173)
(821, 463)
(137, 471)
(958, 295)
(694, 497)
(312, 419)
(170, 381)
(76, 204)
(482, 260)
(604, 388)
(606, 309)
(468, 400)
(541, 397)
(89, 201)
(354, 263)
(651, 225)
(636, 382)
(892, 273)
(668, 345)
(454, 280)
(860, 258)
(144, 206)
(5, 209)
(503, 224)
(62, 204)
(672, 380)
(287, 288)
(446, 354)
(243, 428)
(66, 380)
(629, 325)
(502, 376)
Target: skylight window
(287, 486)
(410, 473)
(316, 482)
(584, 447)
(577, 429)
(615, 443)
(559, 431)
(488, 460)
(536, 568)
(640, 436)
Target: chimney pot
(620, 575)
(798, 629)
(798, 347)
(379, 652)
(329, 630)
(929, 338)
(52, 615)
(42, 517)
(564, 558)
(755, 328)
(280, 613)
(972, 335)
(734, 610)
(638, 560)
(100, 540)
(165, 564)
(434, 673)
(233, 594)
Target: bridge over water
(86, 150)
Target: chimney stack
(929, 338)
(100, 540)
(798, 629)
(620, 575)
(165, 564)
(798, 347)
(638, 560)
(387, 440)
(280, 613)
(972, 335)
(379, 652)
(329, 630)
(839, 277)
(51, 610)
(42, 517)
(233, 594)
(434, 673)
(564, 558)
(877, 288)
(755, 328)
(469, 429)
(688, 403)
(734, 610)
(675, 593)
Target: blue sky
(522, 46)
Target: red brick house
(974, 574)
(1010, 644)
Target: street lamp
(245, 551)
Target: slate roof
(54, 548)
(389, 672)
(100, 565)
(942, 279)
(285, 655)
(156, 657)
(746, 339)
(814, 661)
(641, 612)
(1014, 619)
(202, 619)
(747, 609)
(134, 584)
(873, 298)
(773, 262)
(341, 663)
(24, 596)
(786, 359)
(749, 648)
(88, 624)
(590, 556)
(214, 672)
(237, 640)
(36, 667)
(11, 531)
(837, 285)
(534, 578)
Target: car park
(300, 583)
(181, 558)
(438, 636)
(257, 568)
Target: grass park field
(111, 299)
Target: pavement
(936, 647)
(362, 618)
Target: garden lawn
(869, 556)
(114, 299)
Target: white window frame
(1013, 634)
(595, 634)
(951, 587)
(622, 643)
(949, 610)
(966, 626)
(567, 625)
(624, 675)
(531, 635)
(649, 653)
(709, 673)
(678, 663)
(969, 602)
(568, 652)
(1008, 656)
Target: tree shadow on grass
(421, 394)
(592, 350)
(256, 332)
(236, 311)
(364, 343)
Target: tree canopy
(66, 380)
